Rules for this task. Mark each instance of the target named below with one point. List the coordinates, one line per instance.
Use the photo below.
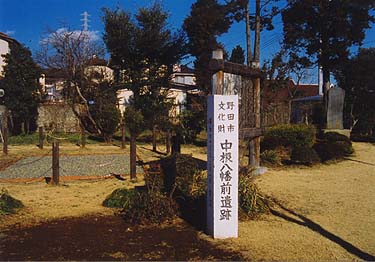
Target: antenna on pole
(86, 21)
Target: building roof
(7, 38)
(187, 70)
(96, 61)
(290, 91)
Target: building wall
(4, 49)
(57, 117)
(179, 98)
(275, 114)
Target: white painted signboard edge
(216, 225)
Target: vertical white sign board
(222, 165)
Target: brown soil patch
(108, 238)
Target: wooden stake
(133, 158)
(123, 145)
(41, 137)
(5, 132)
(55, 163)
(83, 136)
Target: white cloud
(91, 36)
(10, 32)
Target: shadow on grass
(304, 221)
(108, 238)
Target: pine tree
(21, 86)
(207, 20)
(323, 31)
(238, 55)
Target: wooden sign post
(222, 195)
(233, 113)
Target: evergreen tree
(356, 78)
(207, 20)
(144, 51)
(323, 31)
(21, 86)
(238, 55)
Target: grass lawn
(325, 212)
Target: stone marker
(222, 166)
(335, 110)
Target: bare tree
(71, 52)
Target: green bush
(8, 204)
(304, 155)
(148, 207)
(192, 123)
(183, 176)
(334, 137)
(252, 203)
(24, 139)
(270, 157)
(289, 136)
(333, 146)
(119, 198)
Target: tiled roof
(289, 92)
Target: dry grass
(331, 213)
(329, 210)
(73, 199)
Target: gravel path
(34, 167)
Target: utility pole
(248, 35)
(257, 35)
(254, 147)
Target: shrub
(305, 156)
(149, 207)
(334, 137)
(289, 136)
(119, 198)
(8, 204)
(251, 202)
(183, 174)
(333, 150)
(270, 157)
(190, 181)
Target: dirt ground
(326, 212)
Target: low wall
(57, 117)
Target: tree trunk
(154, 138)
(257, 35)
(248, 35)
(168, 142)
(27, 126)
(133, 158)
(326, 86)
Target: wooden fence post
(41, 137)
(55, 163)
(123, 134)
(83, 136)
(5, 132)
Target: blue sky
(27, 20)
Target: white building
(5, 41)
(182, 83)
